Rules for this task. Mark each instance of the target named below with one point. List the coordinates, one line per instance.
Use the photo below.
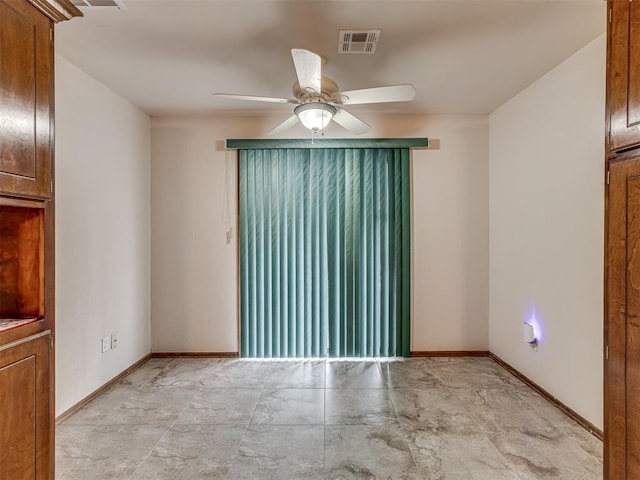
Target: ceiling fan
(319, 101)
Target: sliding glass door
(325, 252)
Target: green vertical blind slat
(324, 252)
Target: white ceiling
(463, 56)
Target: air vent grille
(358, 41)
(99, 3)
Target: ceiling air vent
(99, 3)
(358, 41)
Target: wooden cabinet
(26, 427)
(26, 67)
(622, 240)
(27, 272)
(622, 325)
(624, 74)
(22, 283)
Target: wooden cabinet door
(25, 427)
(622, 323)
(26, 76)
(624, 74)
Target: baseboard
(586, 424)
(451, 353)
(86, 400)
(194, 355)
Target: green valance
(273, 143)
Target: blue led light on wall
(532, 331)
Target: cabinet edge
(24, 340)
(57, 10)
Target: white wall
(546, 229)
(102, 233)
(194, 270)
(476, 277)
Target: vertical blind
(325, 252)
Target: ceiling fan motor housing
(329, 89)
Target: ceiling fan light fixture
(318, 99)
(315, 115)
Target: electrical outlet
(106, 343)
(114, 341)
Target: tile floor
(433, 419)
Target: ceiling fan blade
(255, 99)
(350, 122)
(392, 93)
(287, 124)
(309, 70)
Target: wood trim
(8, 336)
(21, 202)
(451, 353)
(605, 280)
(23, 340)
(96, 393)
(568, 411)
(195, 355)
(57, 10)
(607, 132)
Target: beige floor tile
(431, 419)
